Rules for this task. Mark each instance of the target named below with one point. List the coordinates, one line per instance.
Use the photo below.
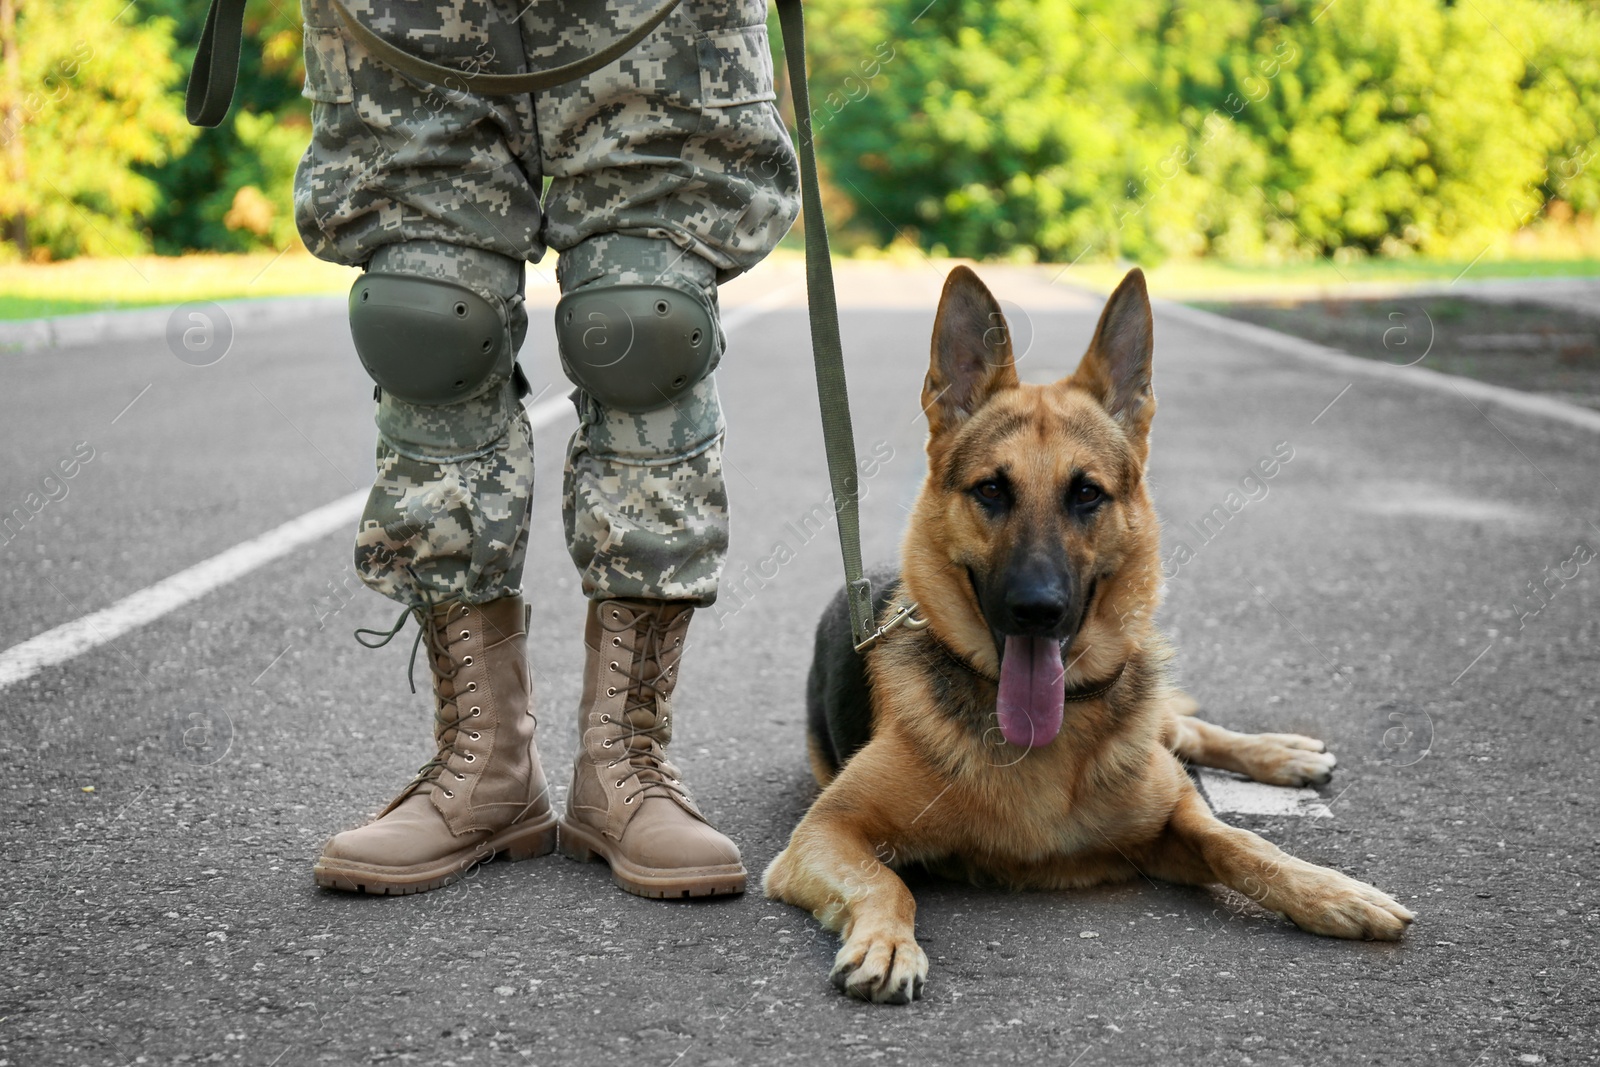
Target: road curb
(1417, 377)
(143, 324)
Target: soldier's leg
(670, 172)
(643, 500)
(435, 194)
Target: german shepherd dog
(1021, 730)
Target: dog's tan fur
(1105, 800)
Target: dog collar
(1090, 694)
(909, 612)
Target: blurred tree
(232, 191)
(1030, 128)
(1148, 128)
(87, 96)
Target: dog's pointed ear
(1116, 369)
(972, 358)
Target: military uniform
(669, 167)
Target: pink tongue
(1033, 690)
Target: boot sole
(656, 883)
(523, 841)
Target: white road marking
(1235, 795)
(70, 639)
(1343, 363)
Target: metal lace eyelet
(619, 780)
(472, 687)
(475, 711)
(627, 800)
(604, 719)
(476, 736)
(615, 614)
(616, 640)
(467, 662)
(470, 758)
(614, 665)
(606, 743)
(461, 777)
(448, 793)
(465, 634)
(611, 691)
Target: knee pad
(636, 347)
(428, 341)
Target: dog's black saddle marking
(838, 700)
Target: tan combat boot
(627, 805)
(484, 792)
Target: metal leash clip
(906, 617)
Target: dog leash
(210, 94)
(826, 349)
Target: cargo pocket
(329, 176)
(749, 173)
(327, 68)
(735, 67)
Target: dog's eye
(1085, 495)
(991, 490)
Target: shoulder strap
(500, 84)
(826, 348)
(216, 61)
(216, 64)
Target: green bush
(1050, 129)
(1146, 129)
(92, 106)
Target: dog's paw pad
(883, 969)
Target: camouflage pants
(668, 167)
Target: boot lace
(642, 746)
(444, 666)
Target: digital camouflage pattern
(643, 499)
(447, 516)
(437, 531)
(670, 166)
(679, 140)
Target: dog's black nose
(1037, 607)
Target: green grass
(30, 307)
(73, 287)
(84, 285)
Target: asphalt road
(158, 901)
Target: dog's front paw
(882, 966)
(1289, 759)
(1336, 905)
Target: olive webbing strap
(210, 93)
(534, 81)
(216, 61)
(826, 349)
(216, 64)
